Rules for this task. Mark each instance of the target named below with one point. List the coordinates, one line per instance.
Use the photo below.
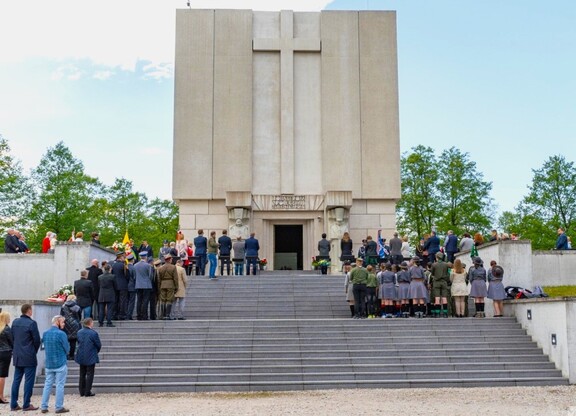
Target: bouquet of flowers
(118, 246)
(323, 263)
(263, 262)
(61, 294)
(320, 263)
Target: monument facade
(286, 125)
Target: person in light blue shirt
(56, 347)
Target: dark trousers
(201, 265)
(371, 300)
(397, 259)
(131, 304)
(224, 260)
(105, 305)
(359, 291)
(251, 261)
(153, 301)
(121, 304)
(86, 379)
(72, 342)
(450, 256)
(143, 296)
(29, 374)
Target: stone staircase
(293, 332)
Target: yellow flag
(126, 238)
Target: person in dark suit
(26, 345)
(121, 274)
(107, 296)
(432, 245)
(561, 241)
(225, 244)
(451, 246)
(89, 346)
(84, 290)
(11, 245)
(93, 272)
(201, 244)
(251, 246)
(148, 249)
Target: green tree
(15, 192)
(66, 195)
(123, 210)
(419, 207)
(550, 204)
(161, 222)
(552, 195)
(464, 197)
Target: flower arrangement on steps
(263, 263)
(321, 265)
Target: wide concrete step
(321, 376)
(172, 368)
(536, 357)
(293, 332)
(280, 347)
(178, 386)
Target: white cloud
(103, 75)
(67, 71)
(158, 71)
(109, 32)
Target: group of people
(20, 344)
(15, 242)
(137, 284)
(126, 289)
(408, 289)
(203, 251)
(387, 280)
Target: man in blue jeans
(57, 349)
(26, 346)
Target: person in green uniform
(359, 278)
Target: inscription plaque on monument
(288, 202)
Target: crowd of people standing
(387, 280)
(20, 344)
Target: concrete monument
(282, 118)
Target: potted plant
(263, 263)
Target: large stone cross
(287, 45)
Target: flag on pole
(126, 239)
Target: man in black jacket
(11, 245)
(107, 296)
(84, 290)
(26, 346)
(225, 243)
(93, 272)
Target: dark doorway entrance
(288, 247)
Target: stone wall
(37, 276)
(514, 256)
(554, 267)
(550, 317)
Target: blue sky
(494, 78)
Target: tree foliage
(66, 194)
(445, 192)
(418, 208)
(60, 197)
(465, 199)
(14, 189)
(549, 204)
